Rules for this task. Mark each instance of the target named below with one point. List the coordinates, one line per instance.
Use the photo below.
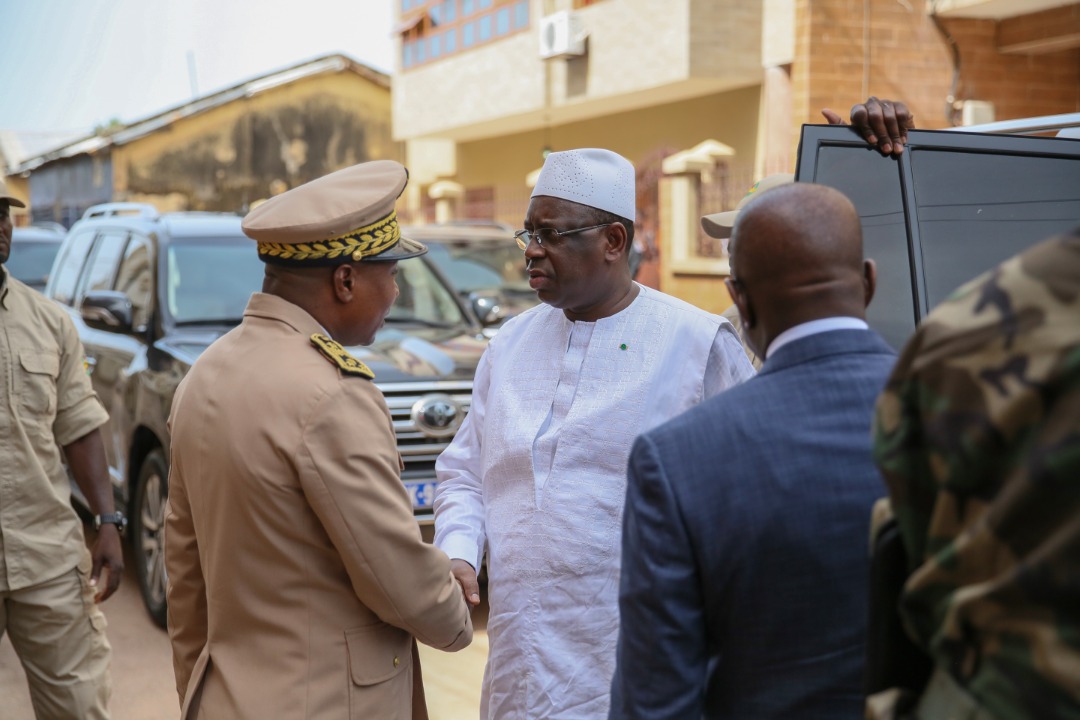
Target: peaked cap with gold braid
(346, 216)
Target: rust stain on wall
(227, 167)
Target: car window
(135, 278)
(104, 258)
(69, 267)
(874, 187)
(968, 208)
(210, 280)
(481, 267)
(422, 297)
(32, 262)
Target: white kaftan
(538, 473)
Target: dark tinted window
(135, 278)
(974, 211)
(31, 262)
(69, 267)
(108, 249)
(973, 201)
(210, 280)
(873, 185)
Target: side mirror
(107, 310)
(486, 308)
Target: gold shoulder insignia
(341, 357)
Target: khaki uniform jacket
(46, 402)
(297, 575)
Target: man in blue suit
(745, 535)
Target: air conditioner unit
(561, 35)
(976, 112)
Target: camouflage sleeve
(978, 437)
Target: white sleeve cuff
(462, 547)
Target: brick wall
(846, 49)
(1019, 85)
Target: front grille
(418, 450)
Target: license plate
(422, 493)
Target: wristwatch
(114, 518)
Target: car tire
(148, 533)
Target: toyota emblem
(437, 416)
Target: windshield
(32, 262)
(423, 298)
(481, 267)
(210, 281)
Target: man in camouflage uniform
(978, 437)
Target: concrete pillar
(684, 171)
(684, 273)
(447, 195)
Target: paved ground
(143, 687)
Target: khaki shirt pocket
(37, 386)
(380, 668)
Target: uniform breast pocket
(37, 384)
(381, 672)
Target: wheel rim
(152, 516)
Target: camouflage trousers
(943, 699)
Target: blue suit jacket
(745, 543)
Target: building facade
(226, 150)
(703, 96)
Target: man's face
(5, 231)
(569, 273)
(374, 292)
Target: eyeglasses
(548, 237)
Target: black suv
(148, 293)
(952, 206)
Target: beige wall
(227, 157)
(641, 136)
(725, 39)
(463, 89)
(640, 53)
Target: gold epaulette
(341, 357)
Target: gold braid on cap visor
(354, 245)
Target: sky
(80, 63)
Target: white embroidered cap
(590, 176)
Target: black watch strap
(113, 518)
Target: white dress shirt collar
(813, 328)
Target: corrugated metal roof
(141, 128)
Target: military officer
(297, 576)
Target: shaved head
(796, 256)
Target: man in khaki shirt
(48, 578)
(297, 576)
